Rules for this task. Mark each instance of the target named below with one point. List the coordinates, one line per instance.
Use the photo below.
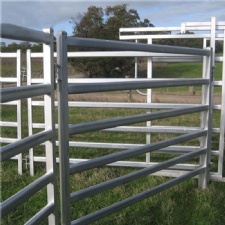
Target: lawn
(184, 204)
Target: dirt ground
(126, 96)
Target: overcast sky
(39, 14)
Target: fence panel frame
(8, 94)
(65, 129)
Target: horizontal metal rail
(25, 144)
(134, 199)
(41, 215)
(156, 57)
(132, 80)
(8, 124)
(165, 36)
(23, 195)
(109, 123)
(8, 54)
(172, 149)
(9, 103)
(120, 105)
(142, 129)
(130, 46)
(8, 140)
(17, 93)
(125, 105)
(14, 32)
(204, 26)
(133, 164)
(168, 150)
(93, 190)
(103, 145)
(8, 79)
(104, 160)
(131, 85)
(155, 129)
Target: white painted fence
(212, 31)
(16, 82)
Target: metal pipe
(79, 88)
(109, 123)
(41, 215)
(130, 46)
(63, 128)
(134, 199)
(22, 196)
(16, 93)
(93, 190)
(24, 145)
(14, 32)
(104, 160)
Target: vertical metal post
(29, 112)
(136, 65)
(183, 28)
(222, 117)
(213, 39)
(49, 114)
(149, 101)
(206, 121)
(19, 111)
(63, 128)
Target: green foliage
(23, 46)
(182, 42)
(104, 24)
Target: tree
(90, 24)
(105, 23)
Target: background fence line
(213, 31)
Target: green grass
(184, 204)
(181, 70)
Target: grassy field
(184, 204)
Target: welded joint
(56, 73)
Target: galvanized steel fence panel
(47, 136)
(65, 130)
(45, 86)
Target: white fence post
(19, 110)
(149, 101)
(49, 117)
(29, 113)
